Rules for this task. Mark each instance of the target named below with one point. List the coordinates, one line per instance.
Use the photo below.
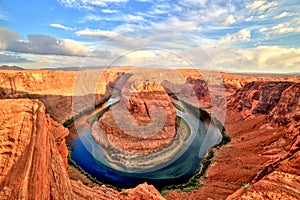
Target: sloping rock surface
(33, 158)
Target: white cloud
(108, 11)
(3, 17)
(89, 4)
(242, 35)
(267, 6)
(152, 58)
(256, 4)
(123, 18)
(261, 16)
(240, 17)
(264, 29)
(7, 58)
(281, 15)
(260, 6)
(283, 28)
(175, 23)
(229, 20)
(141, 54)
(96, 33)
(261, 58)
(249, 19)
(202, 3)
(133, 18)
(112, 39)
(62, 27)
(273, 56)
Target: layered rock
(31, 165)
(32, 158)
(287, 112)
(264, 97)
(262, 121)
(279, 179)
(143, 121)
(64, 93)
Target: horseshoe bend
(131, 133)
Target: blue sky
(227, 35)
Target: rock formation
(262, 159)
(64, 93)
(31, 166)
(143, 121)
(33, 158)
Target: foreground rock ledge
(33, 157)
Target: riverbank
(193, 183)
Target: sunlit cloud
(261, 58)
(96, 33)
(283, 28)
(242, 35)
(229, 20)
(281, 15)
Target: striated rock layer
(64, 93)
(142, 122)
(262, 159)
(33, 158)
(31, 165)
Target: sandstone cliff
(64, 93)
(31, 166)
(262, 159)
(278, 100)
(33, 158)
(143, 121)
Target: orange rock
(31, 166)
(142, 191)
(264, 143)
(143, 121)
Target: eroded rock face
(143, 121)
(279, 179)
(287, 112)
(33, 158)
(276, 99)
(64, 93)
(261, 119)
(31, 164)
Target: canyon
(262, 120)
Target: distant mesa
(7, 67)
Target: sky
(225, 35)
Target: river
(178, 169)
